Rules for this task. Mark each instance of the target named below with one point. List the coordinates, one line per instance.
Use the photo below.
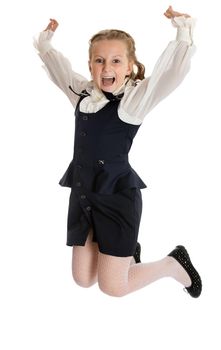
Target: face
(109, 64)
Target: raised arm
(57, 66)
(169, 71)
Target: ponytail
(139, 75)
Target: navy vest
(102, 143)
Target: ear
(89, 65)
(130, 68)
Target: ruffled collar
(98, 95)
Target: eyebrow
(112, 56)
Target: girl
(105, 202)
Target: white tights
(117, 276)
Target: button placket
(79, 166)
(82, 133)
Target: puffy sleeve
(58, 67)
(169, 71)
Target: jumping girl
(105, 202)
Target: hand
(53, 24)
(170, 13)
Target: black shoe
(181, 255)
(137, 253)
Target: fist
(53, 24)
(170, 13)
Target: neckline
(112, 97)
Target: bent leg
(117, 277)
(84, 263)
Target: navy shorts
(114, 219)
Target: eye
(116, 60)
(99, 60)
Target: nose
(106, 66)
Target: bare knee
(84, 263)
(83, 280)
(112, 289)
(84, 276)
(113, 275)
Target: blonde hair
(115, 34)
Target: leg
(117, 277)
(84, 263)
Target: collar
(112, 97)
(97, 94)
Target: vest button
(83, 133)
(85, 117)
(88, 208)
(78, 184)
(101, 161)
(83, 196)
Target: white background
(176, 152)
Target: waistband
(86, 161)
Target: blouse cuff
(42, 43)
(185, 26)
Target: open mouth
(108, 81)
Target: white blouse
(138, 100)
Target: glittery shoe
(137, 253)
(181, 255)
